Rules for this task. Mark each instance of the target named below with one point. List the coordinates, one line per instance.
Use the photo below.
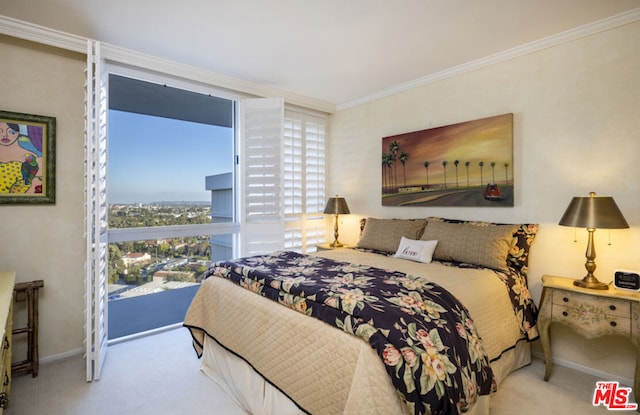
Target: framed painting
(27, 158)
(465, 164)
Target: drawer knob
(4, 400)
(564, 313)
(612, 307)
(565, 299)
(6, 343)
(613, 323)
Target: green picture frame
(27, 158)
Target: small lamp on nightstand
(336, 206)
(592, 213)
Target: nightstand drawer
(591, 324)
(584, 303)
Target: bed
(464, 321)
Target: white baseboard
(60, 356)
(80, 352)
(586, 369)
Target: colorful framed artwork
(27, 158)
(465, 164)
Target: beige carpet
(160, 375)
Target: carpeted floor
(159, 375)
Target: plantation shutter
(96, 225)
(262, 223)
(304, 180)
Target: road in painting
(465, 164)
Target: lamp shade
(593, 213)
(336, 206)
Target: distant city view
(146, 267)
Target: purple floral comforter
(424, 336)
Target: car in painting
(492, 192)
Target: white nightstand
(591, 313)
(327, 247)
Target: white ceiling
(336, 51)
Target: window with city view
(170, 172)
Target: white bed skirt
(256, 396)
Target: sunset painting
(465, 164)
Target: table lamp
(336, 206)
(592, 213)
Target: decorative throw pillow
(385, 234)
(416, 250)
(486, 246)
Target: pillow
(416, 250)
(486, 246)
(523, 238)
(385, 234)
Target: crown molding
(531, 47)
(119, 55)
(43, 35)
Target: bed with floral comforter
(437, 357)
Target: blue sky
(154, 159)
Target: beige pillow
(487, 246)
(385, 234)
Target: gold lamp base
(591, 283)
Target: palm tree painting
(426, 154)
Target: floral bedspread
(424, 336)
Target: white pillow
(420, 251)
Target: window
(170, 181)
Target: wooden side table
(28, 291)
(327, 247)
(590, 313)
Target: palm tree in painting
(493, 171)
(506, 173)
(466, 164)
(394, 147)
(385, 157)
(444, 166)
(404, 156)
(426, 167)
(481, 164)
(455, 163)
(390, 162)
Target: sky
(154, 159)
(487, 140)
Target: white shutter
(96, 226)
(261, 127)
(304, 180)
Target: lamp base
(591, 283)
(336, 244)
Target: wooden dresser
(7, 282)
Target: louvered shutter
(261, 201)
(304, 180)
(96, 209)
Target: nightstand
(327, 247)
(590, 313)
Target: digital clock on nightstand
(627, 280)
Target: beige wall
(47, 242)
(577, 129)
